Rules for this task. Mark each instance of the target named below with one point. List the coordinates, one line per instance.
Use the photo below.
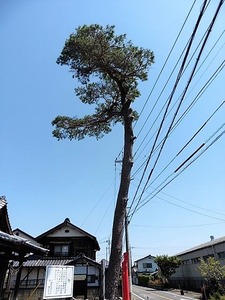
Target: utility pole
(107, 249)
(127, 244)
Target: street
(145, 293)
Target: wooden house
(146, 265)
(67, 244)
(68, 240)
(13, 248)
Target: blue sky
(45, 180)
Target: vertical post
(3, 266)
(126, 233)
(86, 292)
(128, 253)
(103, 262)
(107, 249)
(16, 289)
(125, 277)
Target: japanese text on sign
(58, 282)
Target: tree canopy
(108, 68)
(212, 272)
(167, 265)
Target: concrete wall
(190, 260)
(187, 275)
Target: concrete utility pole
(107, 249)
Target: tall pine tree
(108, 68)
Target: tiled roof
(4, 218)
(56, 261)
(204, 245)
(148, 256)
(19, 243)
(44, 262)
(2, 202)
(70, 225)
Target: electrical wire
(189, 141)
(176, 226)
(162, 90)
(197, 97)
(219, 38)
(169, 103)
(181, 169)
(160, 73)
(196, 206)
(206, 85)
(164, 65)
(182, 98)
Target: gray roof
(19, 241)
(69, 224)
(204, 245)
(2, 202)
(4, 218)
(44, 262)
(56, 261)
(147, 256)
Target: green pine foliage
(108, 68)
(213, 273)
(167, 265)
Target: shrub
(143, 280)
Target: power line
(177, 226)
(159, 75)
(181, 100)
(167, 181)
(196, 206)
(192, 102)
(197, 97)
(162, 90)
(168, 105)
(189, 204)
(191, 210)
(189, 141)
(164, 65)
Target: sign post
(58, 282)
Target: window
(147, 265)
(195, 260)
(61, 250)
(207, 256)
(83, 277)
(185, 262)
(221, 254)
(91, 278)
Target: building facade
(187, 275)
(145, 265)
(67, 244)
(12, 248)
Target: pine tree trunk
(113, 272)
